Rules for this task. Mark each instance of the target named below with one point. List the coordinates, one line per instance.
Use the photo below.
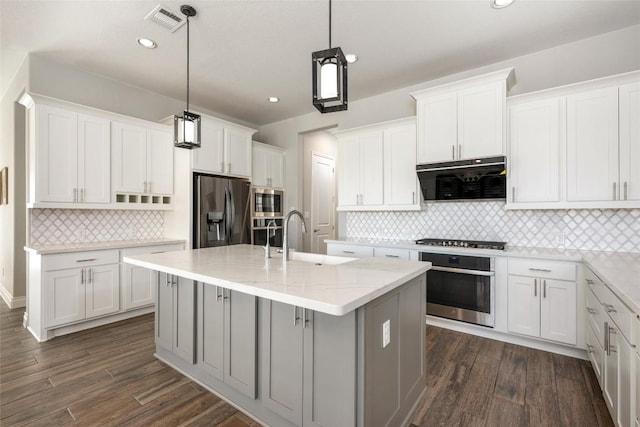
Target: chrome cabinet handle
(82, 276)
(459, 151)
(535, 287)
(305, 319)
(544, 289)
(625, 190)
(413, 197)
(590, 282)
(218, 295)
(513, 194)
(226, 294)
(86, 260)
(91, 275)
(591, 310)
(295, 316)
(392, 256)
(348, 252)
(75, 195)
(606, 338)
(610, 309)
(453, 152)
(614, 191)
(589, 348)
(543, 270)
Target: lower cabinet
(175, 315)
(618, 378)
(227, 336)
(299, 344)
(637, 411)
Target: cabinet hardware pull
(625, 190)
(612, 349)
(348, 252)
(75, 195)
(535, 287)
(453, 152)
(606, 338)
(226, 294)
(610, 309)
(295, 315)
(218, 295)
(175, 280)
(513, 194)
(305, 320)
(543, 270)
(459, 151)
(544, 289)
(86, 260)
(413, 197)
(90, 275)
(82, 195)
(82, 276)
(590, 282)
(392, 256)
(167, 282)
(614, 191)
(591, 310)
(612, 331)
(589, 348)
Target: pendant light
(329, 69)
(186, 128)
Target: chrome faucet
(267, 247)
(285, 238)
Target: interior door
(322, 201)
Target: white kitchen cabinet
(226, 149)
(618, 375)
(72, 157)
(596, 354)
(351, 251)
(394, 253)
(73, 294)
(542, 300)
(463, 120)
(400, 179)
(361, 170)
(637, 403)
(142, 159)
(629, 110)
(138, 284)
(267, 166)
(534, 151)
(592, 145)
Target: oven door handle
(463, 271)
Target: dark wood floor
(109, 376)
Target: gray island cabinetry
(337, 342)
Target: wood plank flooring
(109, 376)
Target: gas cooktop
(475, 244)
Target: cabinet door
(164, 311)
(260, 166)
(240, 342)
(372, 169)
(159, 162)
(329, 369)
(238, 152)
(138, 286)
(534, 151)
(281, 360)
(438, 128)
(637, 376)
(610, 389)
(480, 120)
(210, 344)
(626, 382)
(400, 182)
(630, 142)
(94, 159)
(349, 166)
(592, 146)
(210, 156)
(184, 314)
(64, 296)
(596, 354)
(524, 305)
(56, 155)
(129, 156)
(558, 311)
(102, 287)
(276, 168)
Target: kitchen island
(315, 341)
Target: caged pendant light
(329, 73)
(186, 128)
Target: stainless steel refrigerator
(221, 211)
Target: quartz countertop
(619, 270)
(96, 246)
(334, 289)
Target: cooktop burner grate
(475, 244)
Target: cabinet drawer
(349, 250)
(79, 259)
(151, 250)
(543, 269)
(392, 253)
(595, 314)
(594, 283)
(619, 313)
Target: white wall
(607, 54)
(13, 215)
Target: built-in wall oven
(266, 203)
(461, 287)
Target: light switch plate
(386, 333)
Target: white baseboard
(11, 301)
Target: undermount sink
(318, 258)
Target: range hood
(472, 179)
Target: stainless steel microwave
(266, 202)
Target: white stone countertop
(619, 270)
(97, 246)
(334, 289)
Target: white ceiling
(244, 51)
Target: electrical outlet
(559, 238)
(386, 333)
(81, 234)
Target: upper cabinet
(225, 150)
(576, 147)
(376, 168)
(463, 120)
(267, 165)
(69, 157)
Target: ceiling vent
(166, 18)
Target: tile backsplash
(60, 226)
(592, 229)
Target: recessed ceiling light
(351, 57)
(148, 43)
(499, 4)
(274, 99)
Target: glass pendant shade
(186, 130)
(329, 80)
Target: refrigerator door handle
(233, 213)
(196, 223)
(227, 214)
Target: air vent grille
(166, 18)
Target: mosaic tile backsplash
(60, 226)
(592, 229)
